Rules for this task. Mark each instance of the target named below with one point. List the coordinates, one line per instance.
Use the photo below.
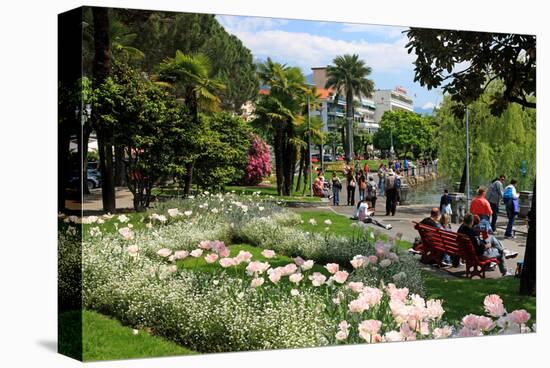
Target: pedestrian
(336, 188)
(406, 166)
(397, 166)
(366, 169)
(372, 191)
(480, 206)
(445, 203)
(511, 197)
(445, 221)
(351, 183)
(494, 196)
(381, 177)
(391, 193)
(362, 187)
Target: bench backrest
(447, 241)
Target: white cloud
(249, 24)
(428, 106)
(307, 50)
(387, 32)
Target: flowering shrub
(259, 162)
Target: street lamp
(309, 147)
(467, 160)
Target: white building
(391, 100)
(333, 109)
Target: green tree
(483, 57)
(348, 76)
(278, 114)
(224, 153)
(189, 78)
(411, 133)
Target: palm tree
(279, 113)
(189, 78)
(348, 76)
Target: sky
(308, 44)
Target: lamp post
(309, 147)
(467, 160)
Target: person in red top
(480, 205)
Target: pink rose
(356, 287)
(435, 310)
(299, 261)
(317, 279)
(442, 333)
(268, 253)
(244, 256)
(478, 323)
(493, 305)
(358, 306)
(196, 253)
(519, 317)
(370, 326)
(224, 252)
(296, 278)
(289, 269)
(164, 252)
(274, 277)
(332, 267)
(227, 262)
(181, 254)
(340, 277)
(211, 258)
(257, 282)
(393, 336)
(257, 267)
(371, 295)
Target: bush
(259, 162)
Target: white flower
(196, 253)
(328, 222)
(123, 218)
(130, 226)
(173, 212)
(135, 332)
(188, 213)
(132, 250)
(164, 252)
(126, 233)
(312, 221)
(307, 265)
(294, 292)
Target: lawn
(463, 296)
(104, 338)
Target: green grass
(271, 191)
(341, 225)
(199, 264)
(463, 296)
(104, 338)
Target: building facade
(391, 100)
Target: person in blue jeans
(336, 188)
(511, 197)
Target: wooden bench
(436, 242)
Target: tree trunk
(462, 188)
(289, 159)
(528, 281)
(101, 70)
(349, 126)
(188, 179)
(119, 166)
(300, 168)
(322, 156)
(86, 131)
(278, 148)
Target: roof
(323, 93)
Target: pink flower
(132, 250)
(244, 256)
(274, 277)
(289, 269)
(126, 233)
(340, 277)
(205, 244)
(344, 325)
(393, 336)
(173, 212)
(519, 317)
(397, 294)
(371, 295)
(385, 262)
(317, 279)
(370, 326)
(435, 310)
(294, 292)
(196, 253)
(466, 332)
(407, 333)
(211, 258)
(227, 262)
(258, 281)
(356, 287)
(342, 335)
(493, 305)
(299, 261)
(296, 278)
(307, 265)
(373, 260)
(478, 323)
(257, 267)
(442, 333)
(332, 267)
(358, 306)
(268, 253)
(223, 252)
(164, 252)
(181, 254)
(358, 261)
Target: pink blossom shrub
(259, 162)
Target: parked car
(316, 157)
(93, 179)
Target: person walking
(381, 177)
(406, 166)
(362, 187)
(494, 196)
(336, 188)
(511, 197)
(391, 193)
(351, 183)
(445, 203)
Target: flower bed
(248, 304)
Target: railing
(420, 169)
